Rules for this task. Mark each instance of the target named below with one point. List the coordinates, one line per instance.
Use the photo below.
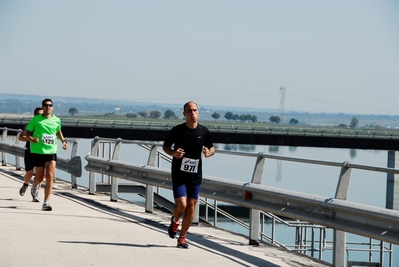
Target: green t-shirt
(46, 129)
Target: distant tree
(248, 117)
(73, 111)
(155, 114)
(293, 121)
(236, 117)
(354, 122)
(228, 116)
(275, 119)
(142, 114)
(169, 114)
(343, 125)
(243, 118)
(215, 115)
(131, 115)
(109, 114)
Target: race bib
(48, 139)
(189, 165)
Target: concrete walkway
(89, 230)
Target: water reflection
(353, 153)
(279, 175)
(239, 147)
(273, 149)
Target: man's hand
(207, 152)
(178, 153)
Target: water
(366, 187)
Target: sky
(335, 56)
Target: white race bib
(189, 165)
(48, 139)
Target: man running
(28, 158)
(42, 132)
(185, 143)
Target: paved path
(89, 230)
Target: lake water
(366, 187)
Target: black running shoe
(172, 230)
(47, 207)
(182, 243)
(23, 189)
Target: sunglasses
(47, 105)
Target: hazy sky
(330, 56)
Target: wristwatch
(65, 141)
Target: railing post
(17, 158)
(392, 182)
(254, 215)
(343, 182)
(114, 180)
(149, 190)
(3, 154)
(339, 237)
(74, 153)
(196, 213)
(92, 175)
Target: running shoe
(172, 230)
(182, 243)
(47, 207)
(34, 191)
(23, 189)
(35, 199)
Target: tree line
(229, 116)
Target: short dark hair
(36, 112)
(185, 105)
(46, 100)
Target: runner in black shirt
(185, 143)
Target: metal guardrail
(223, 127)
(72, 165)
(336, 213)
(377, 223)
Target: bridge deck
(89, 230)
(276, 135)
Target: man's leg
(178, 211)
(50, 171)
(29, 163)
(27, 177)
(187, 220)
(188, 216)
(38, 179)
(36, 198)
(179, 208)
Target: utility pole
(282, 99)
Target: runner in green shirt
(43, 132)
(28, 158)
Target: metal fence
(312, 216)
(71, 165)
(311, 212)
